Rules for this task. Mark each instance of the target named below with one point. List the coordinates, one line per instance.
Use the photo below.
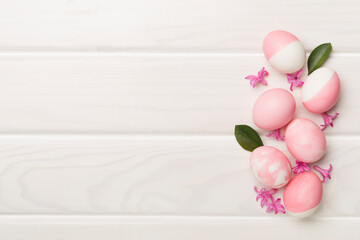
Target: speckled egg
(302, 196)
(274, 109)
(284, 51)
(305, 140)
(321, 89)
(270, 167)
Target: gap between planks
(39, 53)
(138, 136)
(153, 217)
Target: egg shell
(274, 109)
(305, 140)
(284, 51)
(321, 89)
(303, 194)
(270, 167)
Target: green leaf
(247, 137)
(318, 56)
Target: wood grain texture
(176, 228)
(188, 25)
(188, 175)
(149, 93)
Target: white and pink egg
(270, 167)
(284, 51)
(305, 140)
(320, 91)
(302, 196)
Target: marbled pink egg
(321, 89)
(284, 51)
(274, 109)
(305, 140)
(270, 166)
(303, 194)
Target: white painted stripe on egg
(285, 64)
(280, 178)
(315, 82)
(304, 214)
(274, 167)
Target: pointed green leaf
(247, 137)
(318, 56)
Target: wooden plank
(149, 93)
(188, 25)
(173, 175)
(168, 227)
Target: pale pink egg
(321, 90)
(284, 51)
(302, 196)
(274, 109)
(270, 167)
(305, 140)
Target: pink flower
(267, 199)
(300, 167)
(265, 196)
(276, 206)
(276, 134)
(324, 172)
(294, 79)
(259, 78)
(328, 120)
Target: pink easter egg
(302, 196)
(321, 89)
(284, 51)
(274, 109)
(270, 167)
(305, 140)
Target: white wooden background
(117, 118)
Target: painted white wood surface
(187, 25)
(202, 228)
(127, 109)
(150, 93)
(184, 175)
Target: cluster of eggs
(305, 140)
